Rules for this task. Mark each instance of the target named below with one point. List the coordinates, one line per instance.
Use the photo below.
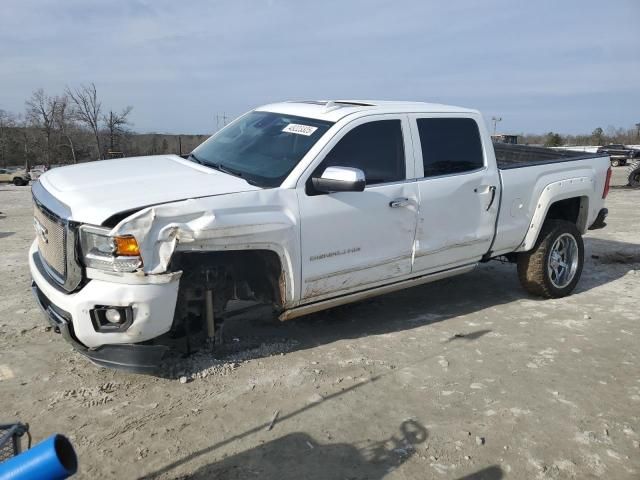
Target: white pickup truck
(302, 206)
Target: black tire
(18, 182)
(615, 163)
(533, 266)
(634, 173)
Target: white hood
(97, 190)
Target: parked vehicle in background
(300, 206)
(503, 138)
(619, 154)
(18, 177)
(36, 171)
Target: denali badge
(322, 256)
(41, 230)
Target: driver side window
(376, 148)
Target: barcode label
(299, 129)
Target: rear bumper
(600, 220)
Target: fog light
(107, 318)
(112, 315)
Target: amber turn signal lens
(127, 246)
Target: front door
(354, 240)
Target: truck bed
(517, 156)
(522, 188)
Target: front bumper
(136, 358)
(153, 306)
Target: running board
(372, 292)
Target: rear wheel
(18, 182)
(615, 162)
(634, 173)
(553, 267)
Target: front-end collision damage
(230, 252)
(256, 220)
(158, 229)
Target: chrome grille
(51, 235)
(57, 240)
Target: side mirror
(340, 179)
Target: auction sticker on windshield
(299, 129)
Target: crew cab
(301, 206)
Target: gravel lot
(469, 377)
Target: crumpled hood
(97, 190)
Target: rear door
(458, 188)
(354, 240)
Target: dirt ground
(469, 377)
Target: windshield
(261, 147)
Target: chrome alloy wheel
(563, 260)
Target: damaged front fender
(264, 219)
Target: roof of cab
(334, 110)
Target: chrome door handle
(399, 202)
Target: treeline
(76, 127)
(598, 137)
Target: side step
(372, 292)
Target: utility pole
(26, 149)
(495, 121)
(221, 120)
(111, 146)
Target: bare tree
(27, 141)
(116, 125)
(7, 122)
(86, 109)
(64, 123)
(40, 112)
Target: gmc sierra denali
(302, 206)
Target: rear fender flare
(564, 189)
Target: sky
(546, 65)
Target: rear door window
(449, 145)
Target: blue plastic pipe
(51, 459)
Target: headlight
(104, 252)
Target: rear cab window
(375, 147)
(449, 145)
